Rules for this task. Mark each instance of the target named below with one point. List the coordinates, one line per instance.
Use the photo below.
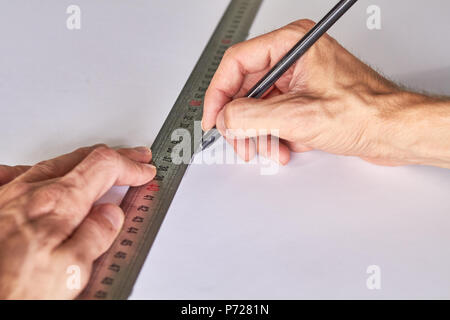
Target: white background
(309, 231)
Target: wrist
(414, 128)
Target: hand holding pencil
(328, 100)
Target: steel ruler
(145, 207)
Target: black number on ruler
(108, 281)
(138, 219)
(120, 255)
(132, 230)
(100, 294)
(143, 208)
(126, 242)
(149, 197)
(114, 267)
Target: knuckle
(46, 167)
(45, 199)
(54, 190)
(304, 24)
(19, 187)
(230, 52)
(297, 27)
(81, 257)
(98, 145)
(87, 150)
(104, 153)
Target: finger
(273, 93)
(240, 68)
(95, 234)
(104, 168)
(265, 146)
(273, 148)
(7, 173)
(60, 205)
(139, 154)
(384, 162)
(244, 148)
(297, 146)
(248, 117)
(56, 167)
(61, 165)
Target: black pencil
(289, 59)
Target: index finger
(60, 166)
(102, 169)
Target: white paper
(310, 231)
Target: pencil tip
(208, 143)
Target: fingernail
(151, 166)
(203, 127)
(113, 217)
(143, 149)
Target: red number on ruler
(152, 187)
(195, 103)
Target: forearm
(417, 128)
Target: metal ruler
(145, 207)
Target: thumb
(249, 117)
(96, 233)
